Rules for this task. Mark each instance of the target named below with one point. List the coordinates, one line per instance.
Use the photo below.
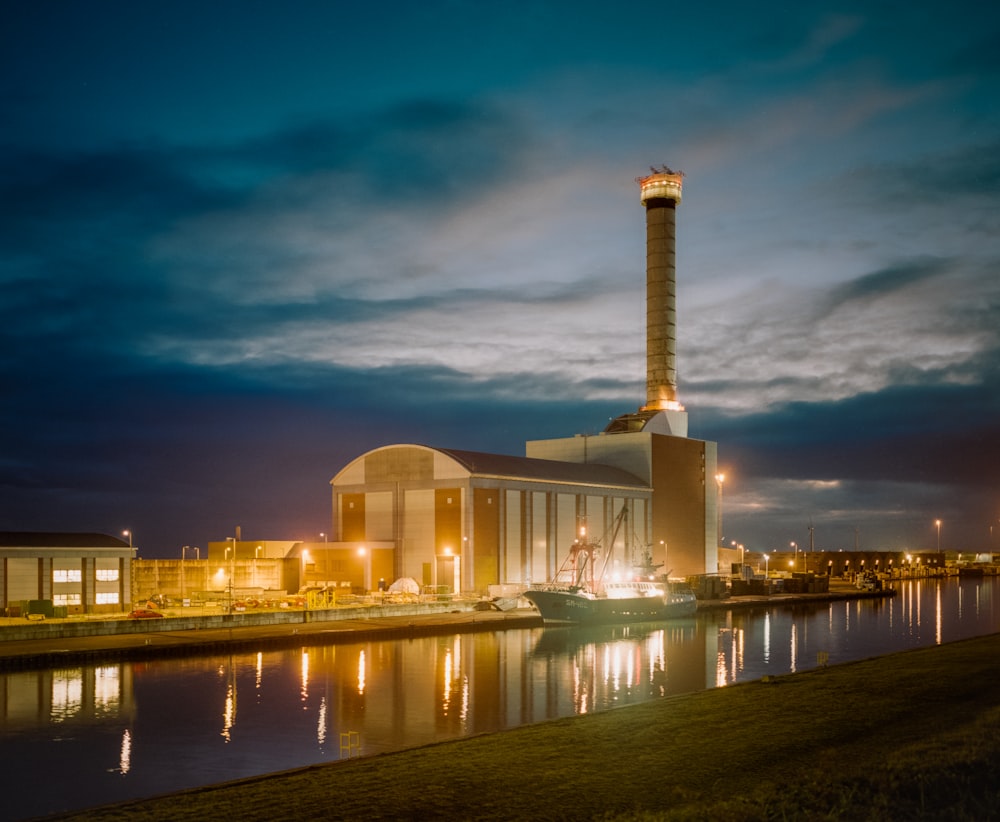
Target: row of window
(76, 575)
(107, 598)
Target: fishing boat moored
(581, 593)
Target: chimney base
(671, 423)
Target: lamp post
(766, 558)
(719, 479)
(795, 547)
(131, 567)
(232, 572)
(937, 523)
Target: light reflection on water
(119, 731)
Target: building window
(107, 574)
(66, 599)
(107, 598)
(67, 575)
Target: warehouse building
(465, 520)
(64, 573)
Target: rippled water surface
(83, 736)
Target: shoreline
(230, 632)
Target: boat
(586, 590)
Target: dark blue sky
(242, 243)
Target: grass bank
(913, 735)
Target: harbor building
(465, 520)
(61, 574)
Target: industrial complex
(456, 522)
(467, 521)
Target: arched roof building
(468, 520)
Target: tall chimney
(661, 194)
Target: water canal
(83, 736)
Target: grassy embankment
(913, 735)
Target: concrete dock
(46, 645)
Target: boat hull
(576, 608)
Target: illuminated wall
(681, 473)
(83, 573)
(466, 530)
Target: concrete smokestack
(661, 194)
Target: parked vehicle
(145, 613)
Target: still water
(78, 737)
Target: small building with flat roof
(83, 573)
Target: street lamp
(766, 558)
(232, 572)
(795, 547)
(719, 479)
(131, 566)
(937, 522)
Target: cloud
(450, 249)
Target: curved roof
(530, 468)
(505, 466)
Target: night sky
(242, 243)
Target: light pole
(131, 567)
(766, 558)
(937, 523)
(232, 572)
(719, 479)
(739, 545)
(795, 547)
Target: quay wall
(13, 630)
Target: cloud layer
(220, 285)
